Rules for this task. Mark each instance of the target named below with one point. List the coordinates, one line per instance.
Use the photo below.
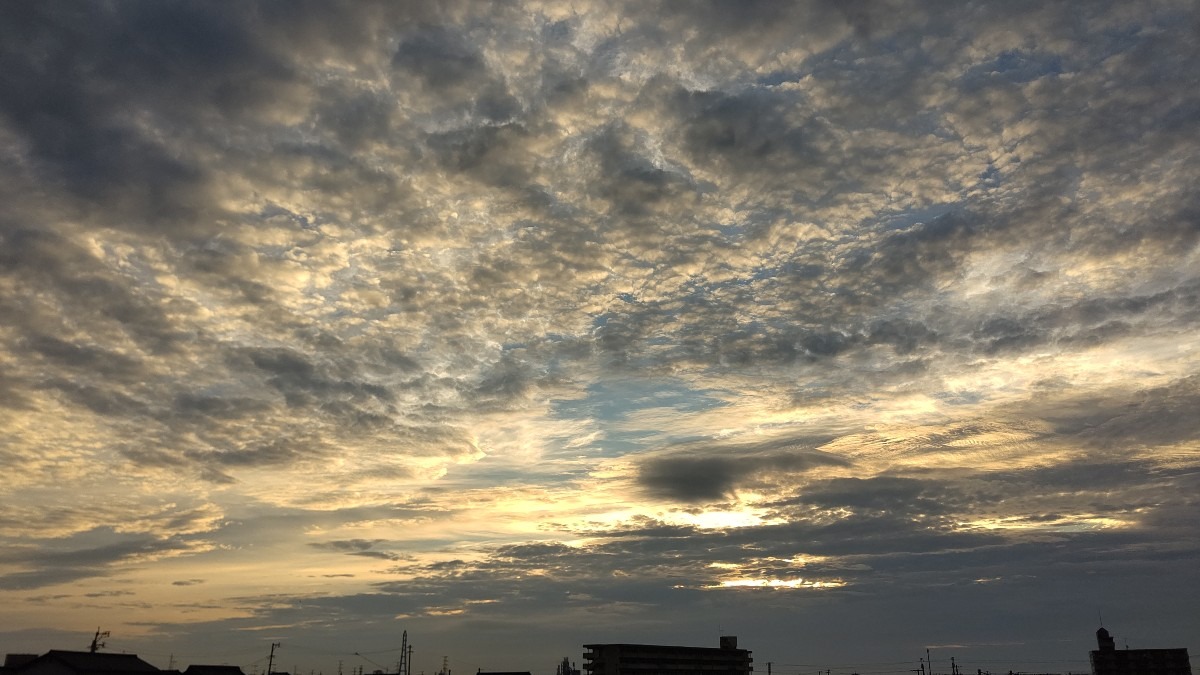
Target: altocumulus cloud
(599, 320)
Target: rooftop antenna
(271, 659)
(403, 653)
(1101, 615)
(96, 643)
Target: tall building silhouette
(1108, 660)
(633, 659)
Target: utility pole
(271, 659)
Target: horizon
(849, 328)
(945, 664)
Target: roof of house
(213, 670)
(14, 660)
(92, 662)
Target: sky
(853, 329)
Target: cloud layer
(481, 319)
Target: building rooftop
(213, 670)
(90, 662)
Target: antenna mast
(96, 643)
(271, 659)
(403, 653)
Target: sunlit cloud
(1072, 523)
(779, 583)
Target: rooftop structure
(57, 662)
(1108, 660)
(636, 659)
(213, 670)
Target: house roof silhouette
(213, 670)
(84, 663)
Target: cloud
(51, 567)
(714, 473)
(348, 546)
(602, 314)
(896, 496)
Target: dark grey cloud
(346, 545)
(62, 69)
(711, 473)
(904, 335)
(756, 133)
(107, 594)
(362, 548)
(1119, 422)
(85, 357)
(494, 155)
(692, 479)
(900, 496)
(32, 579)
(54, 566)
(357, 119)
(924, 254)
(72, 282)
(630, 182)
(100, 399)
(441, 58)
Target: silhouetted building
(565, 667)
(56, 662)
(631, 659)
(213, 670)
(1108, 660)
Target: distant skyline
(848, 328)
